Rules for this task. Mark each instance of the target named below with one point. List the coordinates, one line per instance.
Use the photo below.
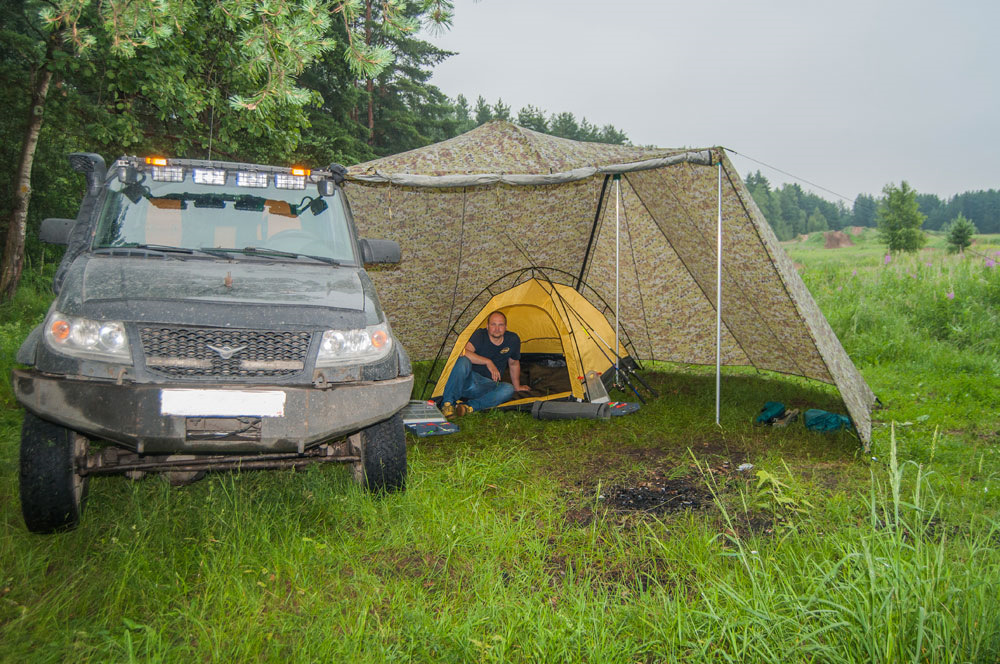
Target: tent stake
(718, 302)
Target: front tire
(382, 448)
(52, 491)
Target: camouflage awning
(471, 209)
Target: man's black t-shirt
(509, 349)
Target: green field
(634, 540)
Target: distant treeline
(562, 124)
(792, 211)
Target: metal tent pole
(618, 193)
(718, 302)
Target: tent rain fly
(473, 208)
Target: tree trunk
(371, 82)
(13, 253)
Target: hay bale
(836, 240)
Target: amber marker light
(298, 170)
(156, 161)
(59, 329)
(379, 338)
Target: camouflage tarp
(471, 209)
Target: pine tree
(960, 233)
(501, 111)
(900, 219)
(484, 113)
(533, 118)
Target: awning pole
(618, 193)
(718, 302)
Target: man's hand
(494, 374)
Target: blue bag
(771, 411)
(821, 420)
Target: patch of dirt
(579, 516)
(836, 240)
(599, 464)
(855, 230)
(717, 447)
(408, 564)
(658, 495)
(619, 577)
(749, 525)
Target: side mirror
(56, 231)
(380, 251)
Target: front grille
(199, 352)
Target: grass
(509, 544)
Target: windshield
(199, 217)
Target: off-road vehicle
(209, 315)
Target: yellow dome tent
(556, 324)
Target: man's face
(496, 326)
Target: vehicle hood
(275, 283)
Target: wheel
(295, 240)
(52, 492)
(382, 448)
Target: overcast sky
(848, 95)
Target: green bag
(821, 420)
(771, 411)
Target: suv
(209, 315)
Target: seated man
(476, 375)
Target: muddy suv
(209, 315)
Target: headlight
(82, 337)
(343, 346)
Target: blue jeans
(478, 391)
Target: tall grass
(889, 312)
(899, 586)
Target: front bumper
(130, 414)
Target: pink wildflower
(951, 295)
(840, 288)
(929, 264)
(888, 258)
(990, 262)
(854, 272)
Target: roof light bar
(168, 173)
(209, 176)
(251, 179)
(289, 181)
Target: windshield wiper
(143, 249)
(323, 259)
(264, 251)
(161, 247)
(275, 253)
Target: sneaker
(448, 410)
(463, 409)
